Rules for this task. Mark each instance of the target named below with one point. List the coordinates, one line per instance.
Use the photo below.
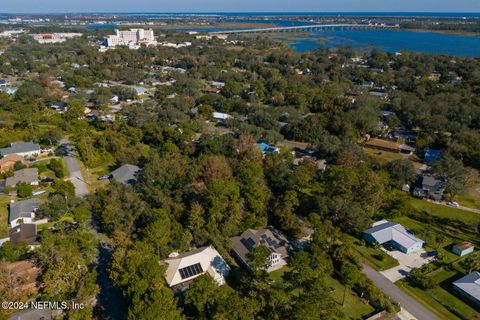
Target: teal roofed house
(394, 234)
(267, 149)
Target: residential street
(81, 188)
(110, 299)
(401, 297)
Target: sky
(64, 6)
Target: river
(391, 41)
(387, 40)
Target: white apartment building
(129, 37)
(44, 38)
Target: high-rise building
(130, 37)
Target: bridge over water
(310, 27)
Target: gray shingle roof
(270, 237)
(126, 174)
(470, 284)
(23, 209)
(28, 175)
(26, 232)
(20, 147)
(430, 181)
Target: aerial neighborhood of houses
(398, 247)
(13, 166)
(181, 269)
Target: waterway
(390, 41)
(387, 40)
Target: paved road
(444, 203)
(396, 294)
(110, 298)
(73, 166)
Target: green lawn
(429, 302)
(442, 211)
(43, 170)
(4, 201)
(440, 301)
(376, 258)
(277, 275)
(438, 237)
(91, 176)
(354, 308)
(470, 198)
(386, 156)
(48, 225)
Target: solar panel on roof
(190, 271)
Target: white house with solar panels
(394, 234)
(182, 269)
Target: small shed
(463, 248)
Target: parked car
(388, 246)
(453, 204)
(433, 253)
(105, 177)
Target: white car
(453, 204)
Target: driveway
(444, 203)
(406, 263)
(73, 166)
(408, 303)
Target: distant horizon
(238, 6)
(243, 12)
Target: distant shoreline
(366, 13)
(451, 32)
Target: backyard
(374, 257)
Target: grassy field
(4, 201)
(91, 176)
(354, 308)
(440, 301)
(424, 298)
(470, 198)
(376, 258)
(442, 211)
(438, 237)
(386, 156)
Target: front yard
(354, 308)
(374, 257)
(440, 300)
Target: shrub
(24, 190)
